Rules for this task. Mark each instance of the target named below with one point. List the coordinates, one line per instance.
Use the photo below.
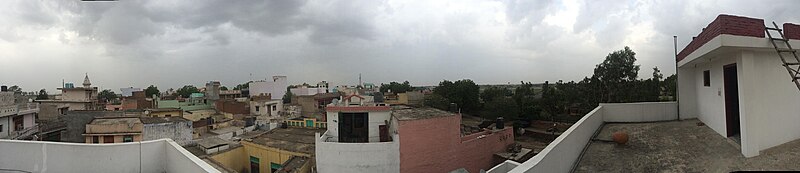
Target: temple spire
(86, 82)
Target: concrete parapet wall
(640, 112)
(150, 156)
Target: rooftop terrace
(678, 146)
(289, 139)
(412, 113)
(156, 120)
(658, 142)
(115, 120)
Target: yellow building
(307, 123)
(114, 130)
(290, 148)
(406, 98)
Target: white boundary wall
(562, 154)
(640, 112)
(162, 155)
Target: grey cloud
(35, 12)
(221, 38)
(593, 12)
(529, 11)
(311, 40)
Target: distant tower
(359, 80)
(86, 83)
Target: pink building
(437, 145)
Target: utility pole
(677, 101)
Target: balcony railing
(24, 108)
(27, 108)
(25, 133)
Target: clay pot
(620, 137)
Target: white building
(17, 116)
(127, 92)
(307, 91)
(276, 87)
(212, 90)
(731, 78)
(354, 132)
(75, 98)
(266, 110)
(177, 128)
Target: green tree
(287, 98)
(152, 90)
(106, 95)
(657, 76)
(501, 106)
(42, 95)
(437, 101)
(464, 93)
(491, 93)
(245, 85)
(525, 97)
(223, 88)
(187, 91)
(671, 87)
(615, 74)
(15, 88)
(396, 87)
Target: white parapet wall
(162, 155)
(640, 112)
(357, 157)
(562, 154)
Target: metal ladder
(793, 67)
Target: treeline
(615, 80)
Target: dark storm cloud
(171, 43)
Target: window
(256, 108)
(274, 166)
(1, 128)
(254, 164)
(95, 139)
(108, 139)
(127, 138)
(274, 108)
(706, 78)
(168, 115)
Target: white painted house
(731, 78)
(275, 87)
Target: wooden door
(731, 99)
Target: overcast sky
(172, 43)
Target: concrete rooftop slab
(679, 146)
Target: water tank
(499, 124)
